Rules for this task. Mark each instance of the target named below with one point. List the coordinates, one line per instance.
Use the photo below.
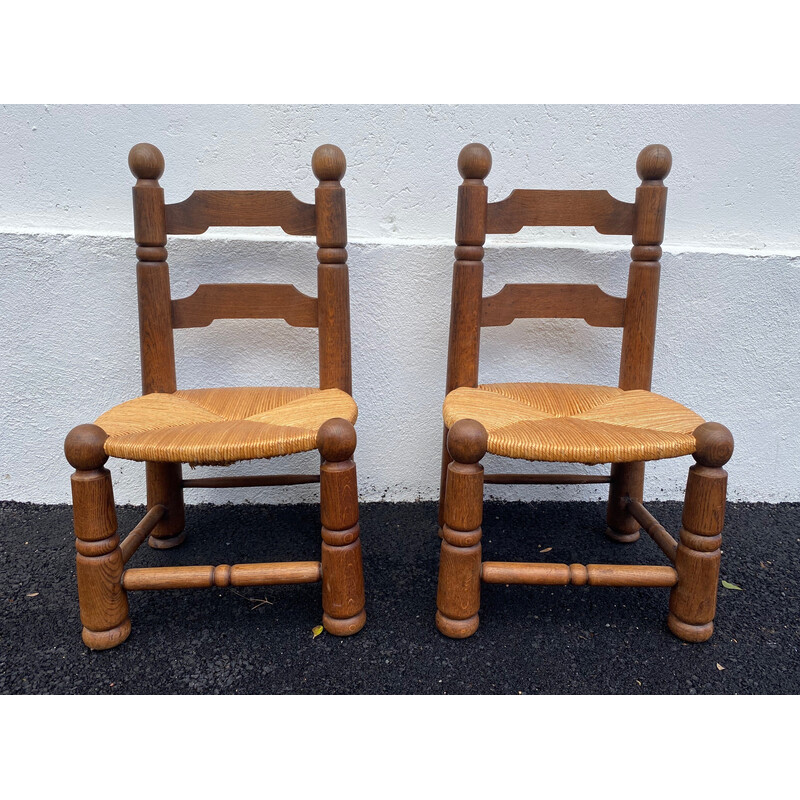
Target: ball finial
(654, 163)
(146, 162)
(83, 447)
(328, 163)
(466, 441)
(474, 161)
(336, 439)
(714, 444)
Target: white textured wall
(728, 336)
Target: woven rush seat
(574, 422)
(220, 426)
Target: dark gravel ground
(531, 639)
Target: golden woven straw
(575, 423)
(220, 426)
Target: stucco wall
(728, 336)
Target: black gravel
(531, 639)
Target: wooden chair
(623, 426)
(166, 427)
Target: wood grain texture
(553, 301)
(98, 561)
(250, 480)
(156, 344)
(131, 543)
(165, 488)
(627, 483)
(639, 333)
(544, 207)
(543, 478)
(333, 282)
(532, 574)
(342, 571)
(149, 223)
(343, 588)
(458, 594)
(333, 290)
(693, 602)
(212, 301)
(458, 597)
(204, 577)
(338, 495)
(155, 328)
(461, 511)
(657, 532)
(466, 301)
(205, 209)
(152, 272)
(466, 308)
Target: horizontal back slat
(205, 209)
(245, 301)
(553, 301)
(525, 207)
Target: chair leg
(693, 601)
(627, 481)
(443, 480)
(103, 601)
(164, 487)
(342, 572)
(459, 592)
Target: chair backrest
(643, 220)
(159, 314)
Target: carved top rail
(553, 301)
(245, 301)
(207, 208)
(594, 207)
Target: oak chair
(624, 426)
(166, 427)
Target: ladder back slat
(205, 209)
(553, 301)
(595, 207)
(244, 301)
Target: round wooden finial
(654, 163)
(466, 441)
(336, 439)
(474, 161)
(714, 444)
(83, 447)
(146, 162)
(328, 163)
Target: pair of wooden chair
(167, 427)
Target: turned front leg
(103, 601)
(693, 601)
(459, 593)
(342, 572)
